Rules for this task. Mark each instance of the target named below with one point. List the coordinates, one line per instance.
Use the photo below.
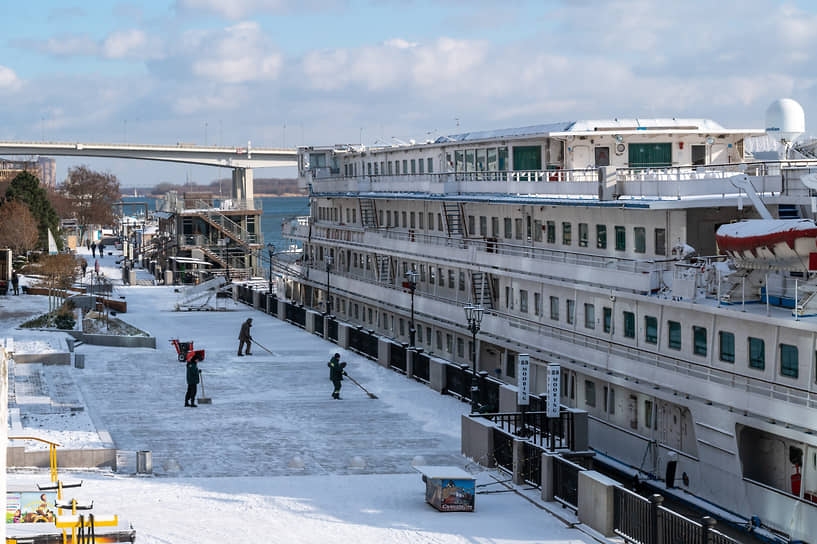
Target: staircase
(368, 214)
(481, 289)
(233, 230)
(788, 211)
(453, 219)
(383, 268)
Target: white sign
(554, 386)
(523, 380)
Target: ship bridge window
(650, 155)
(459, 160)
(527, 158)
(601, 236)
(788, 361)
(317, 160)
(674, 338)
(699, 340)
(481, 158)
(470, 164)
(727, 346)
(757, 353)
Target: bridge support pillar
(242, 184)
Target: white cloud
(237, 54)
(8, 79)
(132, 43)
(239, 9)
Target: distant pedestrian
(83, 264)
(244, 337)
(93, 249)
(88, 244)
(15, 283)
(96, 267)
(336, 374)
(101, 248)
(192, 382)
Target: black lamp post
(271, 250)
(328, 298)
(474, 316)
(411, 285)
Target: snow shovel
(262, 347)
(203, 399)
(354, 381)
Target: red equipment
(186, 352)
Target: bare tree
(93, 195)
(18, 228)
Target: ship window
(495, 227)
(699, 340)
(420, 166)
(537, 304)
(602, 156)
(660, 241)
(411, 219)
(727, 346)
(481, 159)
(610, 401)
(508, 228)
(441, 278)
(502, 154)
(440, 222)
(460, 347)
(369, 167)
(640, 234)
(389, 163)
(510, 365)
(523, 301)
(648, 414)
(629, 324)
(537, 231)
(674, 338)
(608, 319)
(589, 393)
(583, 235)
(459, 161)
(423, 273)
(518, 228)
(508, 297)
(449, 343)
(402, 326)
(471, 227)
(589, 316)
(428, 335)
(554, 308)
(404, 219)
(757, 353)
(462, 281)
(420, 222)
(375, 168)
(788, 361)
(483, 226)
(527, 157)
(571, 310)
(650, 155)
(405, 166)
(621, 238)
(432, 274)
(567, 236)
(650, 329)
(381, 217)
(439, 335)
(419, 335)
(413, 166)
(430, 221)
(491, 159)
(451, 279)
(698, 155)
(430, 165)
(551, 232)
(469, 160)
(601, 236)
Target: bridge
(241, 160)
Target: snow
(764, 227)
(273, 458)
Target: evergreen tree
(25, 187)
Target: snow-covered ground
(274, 458)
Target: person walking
(93, 249)
(83, 264)
(100, 247)
(336, 374)
(192, 382)
(15, 283)
(244, 337)
(88, 244)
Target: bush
(65, 321)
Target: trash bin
(144, 462)
(79, 360)
(448, 488)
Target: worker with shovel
(192, 382)
(336, 374)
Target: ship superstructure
(668, 272)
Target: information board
(554, 385)
(523, 383)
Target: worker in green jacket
(336, 374)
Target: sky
(281, 73)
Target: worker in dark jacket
(245, 340)
(336, 374)
(15, 283)
(192, 382)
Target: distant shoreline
(258, 195)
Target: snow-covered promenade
(274, 458)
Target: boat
(668, 271)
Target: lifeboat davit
(773, 244)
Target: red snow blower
(186, 352)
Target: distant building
(44, 168)
(48, 171)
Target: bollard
(144, 462)
(79, 360)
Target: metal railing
(566, 481)
(421, 366)
(537, 428)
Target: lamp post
(328, 299)
(411, 285)
(271, 250)
(227, 257)
(473, 313)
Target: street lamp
(271, 250)
(473, 313)
(328, 270)
(411, 285)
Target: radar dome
(785, 120)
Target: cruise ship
(667, 269)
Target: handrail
(52, 447)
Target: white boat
(593, 244)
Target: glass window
(471, 227)
(699, 340)
(440, 222)
(727, 346)
(430, 165)
(567, 237)
(420, 166)
(589, 393)
(648, 413)
(439, 336)
(537, 231)
(523, 301)
(537, 304)
(469, 160)
(674, 338)
(601, 236)
(413, 166)
(419, 335)
(583, 235)
(621, 239)
(483, 226)
(449, 343)
(495, 227)
(607, 317)
(518, 229)
(660, 241)
(460, 347)
(491, 160)
(650, 329)
(640, 234)
(551, 232)
(554, 308)
(629, 324)
(420, 216)
(610, 400)
(451, 280)
(571, 310)
(502, 154)
(589, 316)
(441, 277)
(405, 166)
(482, 159)
(508, 228)
(508, 301)
(459, 161)
(430, 221)
(788, 361)
(404, 214)
(461, 281)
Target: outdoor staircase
(481, 289)
(215, 255)
(384, 274)
(742, 286)
(788, 211)
(224, 224)
(454, 219)
(368, 214)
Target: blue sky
(328, 71)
